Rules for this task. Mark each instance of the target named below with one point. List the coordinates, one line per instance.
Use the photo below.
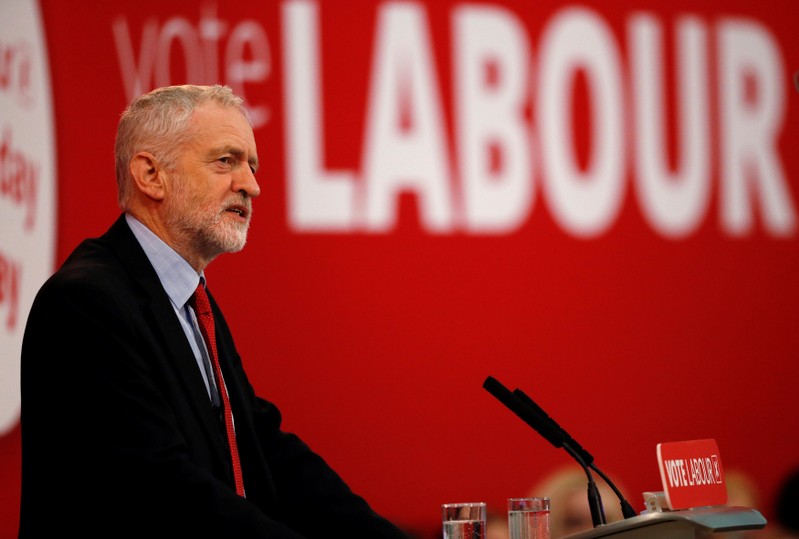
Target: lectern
(701, 522)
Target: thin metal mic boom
(569, 442)
(548, 430)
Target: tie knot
(199, 301)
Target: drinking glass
(528, 518)
(464, 520)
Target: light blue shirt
(179, 281)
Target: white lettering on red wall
(750, 164)
(628, 149)
(513, 144)
(148, 65)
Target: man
(125, 424)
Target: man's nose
(246, 182)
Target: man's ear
(148, 175)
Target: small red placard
(692, 474)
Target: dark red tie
(199, 301)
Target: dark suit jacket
(118, 435)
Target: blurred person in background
(570, 513)
(742, 491)
(497, 523)
(786, 506)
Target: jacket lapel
(157, 308)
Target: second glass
(528, 518)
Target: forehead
(214, 124)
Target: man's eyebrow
(236, 151)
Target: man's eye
(225, 160)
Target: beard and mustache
(205, 226)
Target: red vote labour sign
(692, 474)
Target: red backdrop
(374, 330)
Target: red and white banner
(594, 201)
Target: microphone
(532, 414)
(570, 444)
(539, 422)
(525, 413)
(564, 438)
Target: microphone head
(523, 411)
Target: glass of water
(528, 518)
(464, 520)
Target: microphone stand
(583, 457)
(594, 498)
(532, 414)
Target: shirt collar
(177, 276)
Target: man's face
(209, 196)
